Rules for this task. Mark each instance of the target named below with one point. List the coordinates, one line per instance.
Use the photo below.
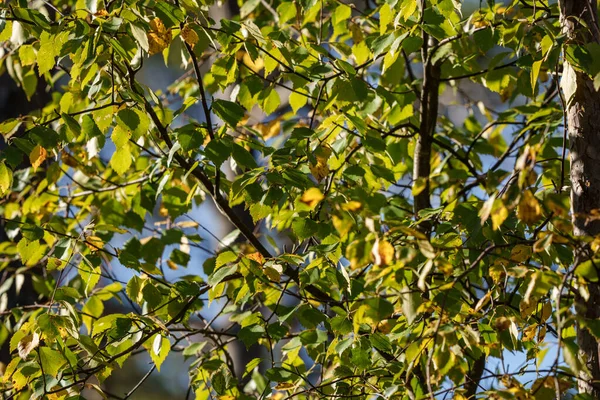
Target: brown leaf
(189, 35)
(159, 37)
(101, 13)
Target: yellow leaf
(101, 13)
(352, 206)
(312, 197)
(172, 265)
(256, 256)
(254, 65)
(159, 37)
(162, 211)
(383, 252)
(6, 179)
(319, 171)
(419, 185)
(529, 210)
(37, 156)
(499, 215)
(542, 333)
(273, 272)
(520, 253)
(284, 386)
(270, 129)
(189, 35)
(94, 243)
(187, 224)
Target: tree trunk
(583, 124)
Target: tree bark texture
(580, 24)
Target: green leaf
(228, 111)
(140, 36)
(269, 100)
(221, 273)
(381, 342)
(587, 270)
(46, 53)
(90, 275)
(158, 347)
(304, 228)
(341, 14)
(250, 335)
(30, 252)
(297, 101)
(217, 152)
(51, 361)
(168, 13)
(279, 375)
(242, 156)
(248, 7)
(121, 160)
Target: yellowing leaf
(499, 215)
(51, 361)
(419, 185)
(383, 252)
(158, 347)
(529, 210)
(520, 253)
(319, 171)
(121, 160)
(352, 206)
(270, 129)
(284, 386)
(189, 35)
(6, 179)
(546, 312)
(256, 256)
(159, 37)
(312, 197)
(27, 344)
(94, 243)
(102, 13)
(273, 272)
(172, 265)
(254, 65)
(37, 156)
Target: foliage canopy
(402, 163)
